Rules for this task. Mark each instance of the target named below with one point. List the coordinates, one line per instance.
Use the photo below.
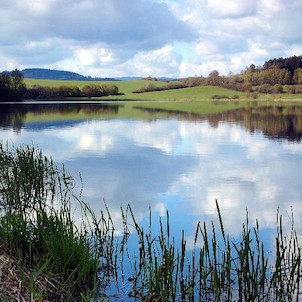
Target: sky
(173, 38)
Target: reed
(38, 228)
(81, 259)
(222, 269)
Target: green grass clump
(38, 228)
(218, 269)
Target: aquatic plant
(221, 269)
(79, 258)
(38, 228)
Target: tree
(297, 79)
(17, 85)
(4, 87)
(214, 78)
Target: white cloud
(157, 62)
(139, 37)
(232, 8)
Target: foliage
(65, 91)
(290, 64)
(11, 86)
(152, 87)
(294, 89)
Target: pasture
(192, 94)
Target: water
(174, 163)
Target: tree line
(275, 76)
(64, 91)
(12, 88)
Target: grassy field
(195, 100)
(126, 87)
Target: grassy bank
(38, 230)
(199, 93)
(58, 257)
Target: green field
(201, 93)
(126, 88)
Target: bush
(219, 97)
(294, 89)
(265, 88)
(278, 88)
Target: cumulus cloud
(138, 37)
(112, 22)
(235, 34)
(232, 8)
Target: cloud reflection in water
(178, 165)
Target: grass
(200, 93)
(221, 269)
(60, 258)
(38, 228)
(125, 87)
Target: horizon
(161, 38)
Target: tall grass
(38, 227)
(221, 269)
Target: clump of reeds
(222, 269)
(38, 228)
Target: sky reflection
(177, 165)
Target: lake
(245, 158)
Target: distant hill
(139, 78)
(49, 74)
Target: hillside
(49, 74)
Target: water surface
(246, 158)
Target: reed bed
(38, 229)
(222, 269)
(54, 257)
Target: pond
(245, 158)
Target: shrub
(219, 97)
(265, 88)
(278, 88)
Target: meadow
(199, 93)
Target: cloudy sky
(111, 38)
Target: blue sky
(111, 38)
